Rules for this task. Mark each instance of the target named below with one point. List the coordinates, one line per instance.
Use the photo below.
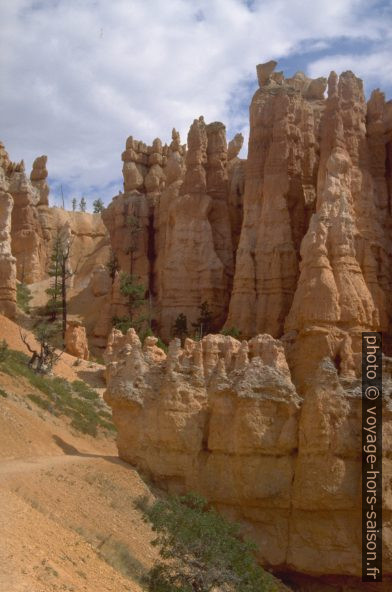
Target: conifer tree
(98, 206)
(59, 271)
(180, 326)
(203, 324)
(53, 305)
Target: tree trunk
(64, 294)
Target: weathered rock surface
(280, 193)
(176, 223)
(28, 245)
(223, 418)
(314, 258)
(38, 177)
(35, 225)
(197, 261)
(7, 261)
(294, 241)
(88, 237)
(76, 340)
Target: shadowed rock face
(223, 418)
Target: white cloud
(78, 77)
(374, 68)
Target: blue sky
(77, 77)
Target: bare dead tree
(42, 360)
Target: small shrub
(180, 327)
(200, 550)
(41, 402)
(84, 424)
(3, 393)
(98, 206)
(150, 333)
(122, 324)
(232, 331)
(84, 390)
(112, 265)
(117, 554)
(114, 552)
(204, 322)
(4, 351)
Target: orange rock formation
(223, 418)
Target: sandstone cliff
(295, 241)
(35, 225)
(223, 418)
(314, 258)
(176, 226)
(7, 261)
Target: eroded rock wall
(280, 194)
(176, 225)
(223, 418)
(7, 261)
(295, 241)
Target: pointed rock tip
(264, 71)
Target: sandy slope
(66, 503)
(90, 372)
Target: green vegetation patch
(76, 400)
(115, 553)
(200, 550)
(118, 556)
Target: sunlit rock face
(223, 418)
(176, 226)
(292, 247)
(294, 241)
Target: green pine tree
(112, 265)
(82, 205)
(134, 292)
(98, 206)
(180, 327)
(55, 310)
(203, 325)
(53, 305)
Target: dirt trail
(9, 467)
(68, 520)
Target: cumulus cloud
(78, 77)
